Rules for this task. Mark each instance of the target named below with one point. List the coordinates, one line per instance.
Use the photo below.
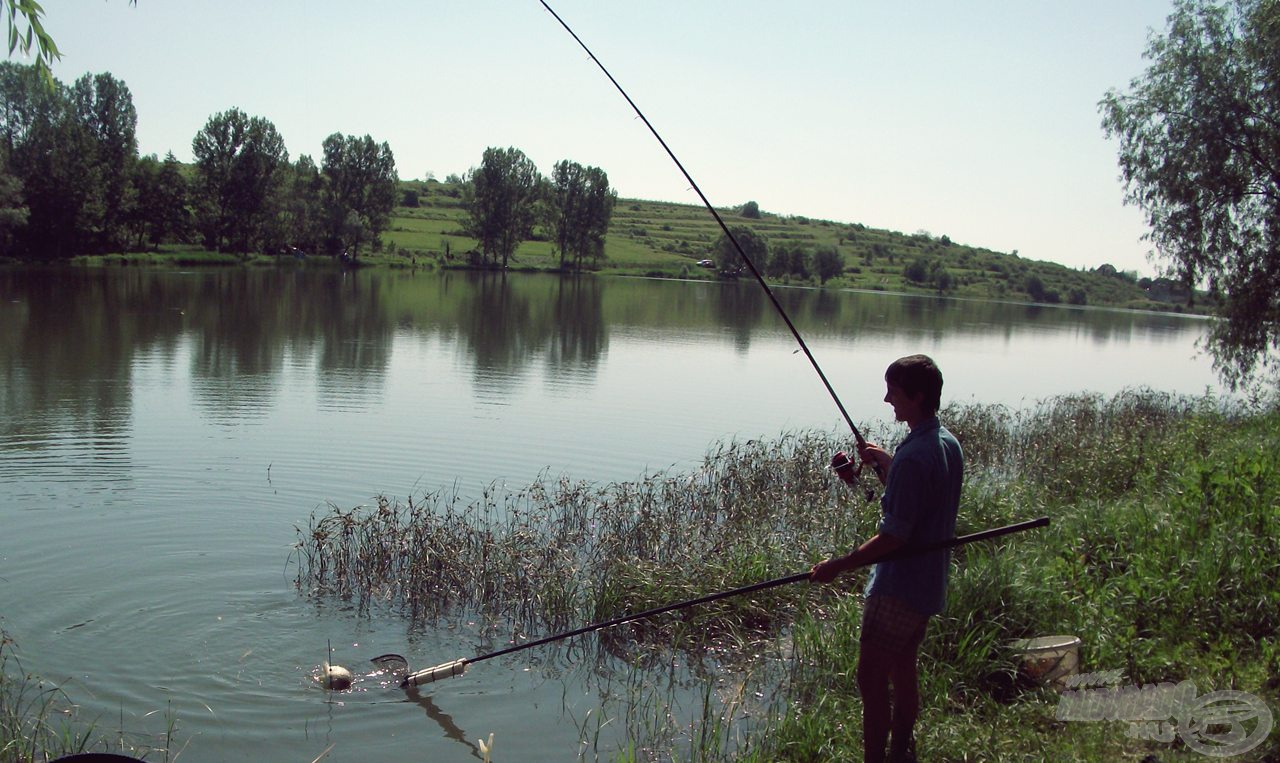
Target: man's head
(919, 378)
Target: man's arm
(878, 547)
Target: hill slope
(668, 239)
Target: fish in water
(336, 677)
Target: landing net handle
(457, 667)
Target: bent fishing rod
(720, 221)
(397, 665)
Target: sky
(976, 120)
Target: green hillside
(668, 239)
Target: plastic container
(1048, 660)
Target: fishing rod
(397, 665)
(728, 234)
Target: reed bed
(1162, 556)
(560, 553)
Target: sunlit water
(162, 435)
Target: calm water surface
(162, 434)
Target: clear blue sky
(977, 120)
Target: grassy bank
(1162, 557)
(664, 239)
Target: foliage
(788, 258)
(29, 13)
(667, 239)
(13, 210)
(1199, 136)
(359, 189)
(170, 215)
(302, 209)
(917, 270)
(103, 105)
(580, 205)
(239, 161)
(52, 152)
(750, 244)
(827, 263)
(501, 197)
(1149, 494)
(750, 210)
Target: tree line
(506, 197)
(775, 260)
(72, 181)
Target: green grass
(167, 256)
(665, 239)
(1161, 556)
(39, 721)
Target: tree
(750, 210)
(238, 168)
(171, 219)
(359, 178)
(789, 258)
(104, 106)
(917, 270)
(728, 260)
(501, 198)
(1034, 288)
(302, 211)
(827, 263)
(13, 211)
(50, 151)
(143, 181)
(940, 277)
(581, 205)
(160, 213)
(1199, 136)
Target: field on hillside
(668, 239)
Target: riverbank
(667, 240)
(1154, 500)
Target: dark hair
(917, 375)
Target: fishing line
(397, 665)
(728, 234)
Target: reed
(1162, 556)
(564, 552)
(39, 721)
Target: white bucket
(1048, 660)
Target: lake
(162, 434)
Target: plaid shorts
(890, 625)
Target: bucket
(1048, 660)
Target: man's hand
(878, 457)
(825, 572)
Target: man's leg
(888, 644)
(873, 685)
(904, 676)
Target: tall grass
(39, 721)
(1162, 556)
(560, 552)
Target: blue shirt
(920, 502)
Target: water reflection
(577, 318)
(442, 719)
(72, 339)
(131, 389)
(66, 371)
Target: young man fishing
(922, 495)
